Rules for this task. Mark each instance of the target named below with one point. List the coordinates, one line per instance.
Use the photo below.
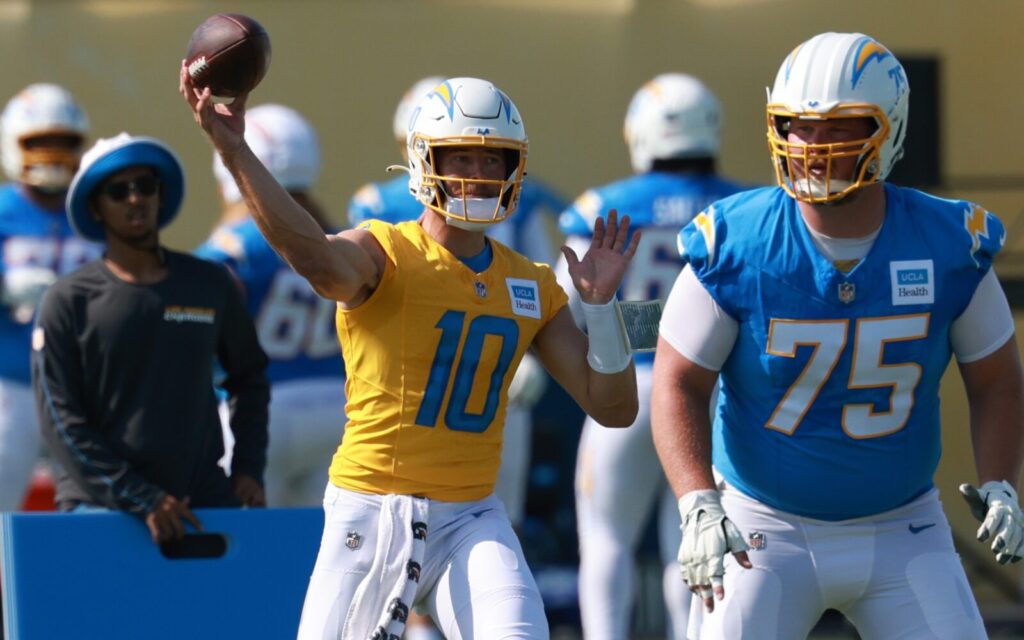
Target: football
(229, 53)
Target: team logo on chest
(913, 282)
(525, 297)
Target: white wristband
(607, 352)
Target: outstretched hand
(598, 274)
(223, 123)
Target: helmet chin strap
(817, 188)
(479, 211)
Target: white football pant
(895, 576)
(474, 580)
(19, 442)
(514, 473)
(618, 482)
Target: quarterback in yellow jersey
(433, 318)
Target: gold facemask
(432, 191)
(790, 158)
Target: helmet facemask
(472, 212)
(790, 157)
(49, 167)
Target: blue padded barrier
(99, 575)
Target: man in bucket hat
(123, 351)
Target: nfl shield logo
(481, 289)
(354, 540)
(757, 541)
(847, 292)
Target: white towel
(383, 599)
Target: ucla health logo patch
(913, 282)
(525, 296)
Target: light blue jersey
(829, 403)
(524, 231)
(659, 204)
(31, 238)
(294, 325)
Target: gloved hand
(708, 535)
(528, 383)
(996, 506)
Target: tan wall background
(570, 65)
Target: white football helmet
(672, 116)
(40, 110)
(400, 124)
(832, 76)
(284, 141)
(466, 112)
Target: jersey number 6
(440, 379)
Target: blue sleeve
(365, 204)
(579, 218)
(228, 247)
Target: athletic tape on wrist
(607, 352)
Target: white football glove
(996, 506)
(707, 536)
(528, 383)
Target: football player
(42, 135)
(433, 318)
(527, 233)
(828, 308)
(672, 131)
(294, 325)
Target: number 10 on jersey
(441, 384)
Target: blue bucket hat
(107, 157)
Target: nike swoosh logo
(916, 530)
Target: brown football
(229, 53)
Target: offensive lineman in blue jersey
(42, 135)
(294, 325)
(828, 308)
(672, 130)
(527, 233)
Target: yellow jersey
(429, 358)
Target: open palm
(598, 274)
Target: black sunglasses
(118, 191)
